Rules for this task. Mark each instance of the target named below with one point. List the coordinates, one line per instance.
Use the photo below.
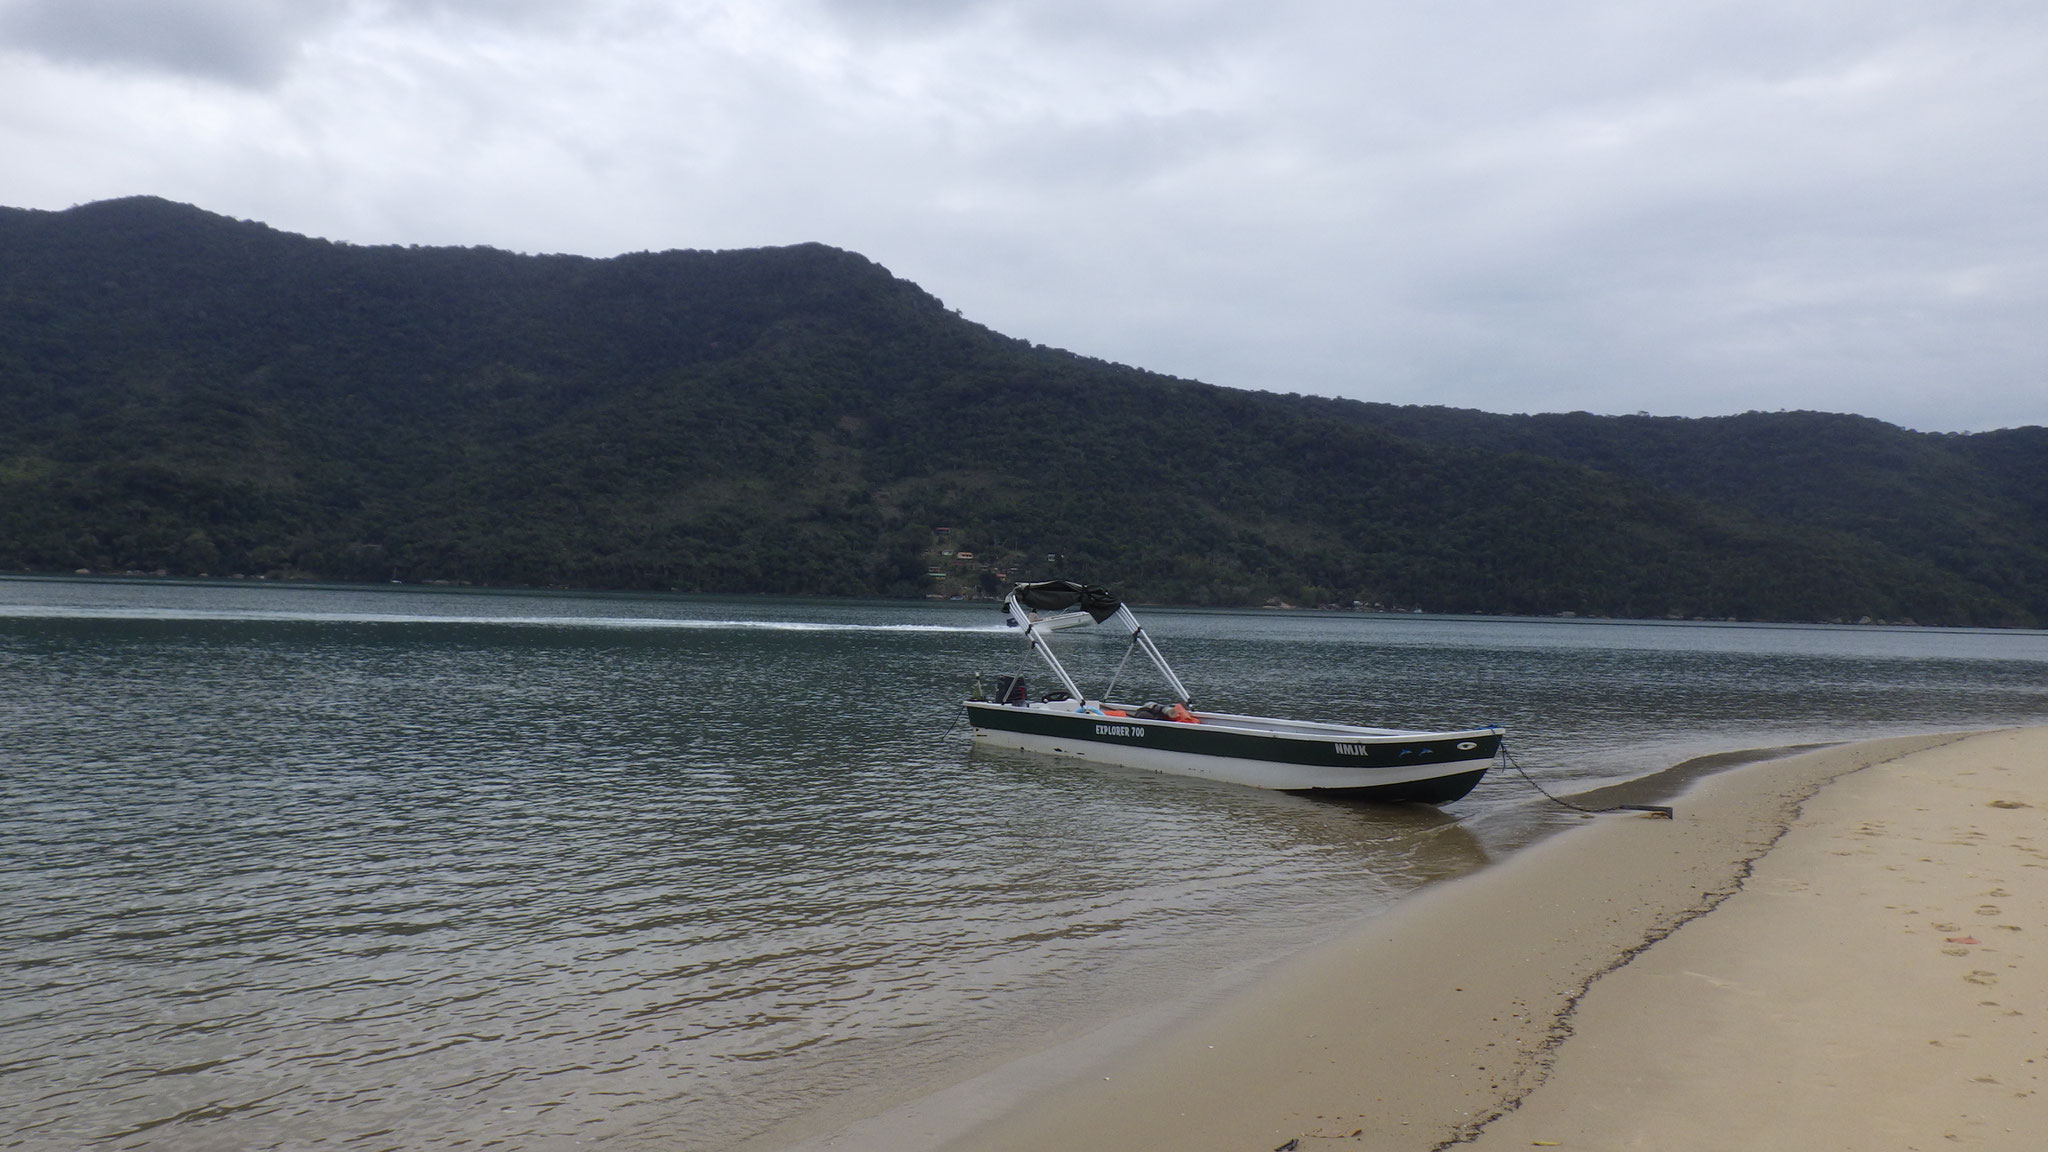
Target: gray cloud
(899, 16)
(1687, 208)
(248, 42)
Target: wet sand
(1877, 983)
(1827, 951)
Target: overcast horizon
(1701, 209)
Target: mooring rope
(1508, 758)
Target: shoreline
(1420, 1027)
(1870, 986)
(312, 581)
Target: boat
(1312, 757)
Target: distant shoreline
(309, 582)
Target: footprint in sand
(1982, 977)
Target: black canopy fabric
(1058, 595)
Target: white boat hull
(1287, 756)
(1228, 769)
(1255, 751)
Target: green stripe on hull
(1336, 751)
(1440, 790)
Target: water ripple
(315, 869)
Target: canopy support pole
(1123, 616)
(1035, 631)
(1026, 621)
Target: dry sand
(1773, 969)
(1876, 984)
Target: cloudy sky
(1691, 207)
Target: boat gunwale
(1308, 730)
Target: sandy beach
(1832, 950)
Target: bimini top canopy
(1059, 595)
(1095, 606)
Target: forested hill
(186, 393)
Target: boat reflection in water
(1394, 848)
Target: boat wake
(645, 623)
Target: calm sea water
(287, 867)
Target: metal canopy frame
(1036, 628)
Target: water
(330, 868)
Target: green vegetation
(188, 393)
